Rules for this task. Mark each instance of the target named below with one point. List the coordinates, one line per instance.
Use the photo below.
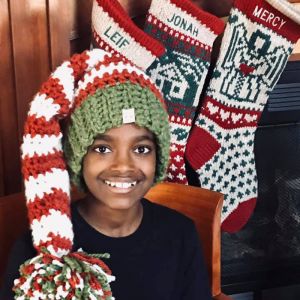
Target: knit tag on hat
(128, 115)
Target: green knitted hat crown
(103, 94)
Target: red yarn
(34, 126)
(36, 165)
(58, 200)
(57, 242)
(28, 269)
(91, 260)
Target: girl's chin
(120, 202)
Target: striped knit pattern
(257, 43)
(56, 273)
(180, 37)
(188, 34)
(47, 184)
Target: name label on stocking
(268, 17)
(182, 23)
(116, 37)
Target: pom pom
(77, 275)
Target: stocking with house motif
(258, 40)
(175, 52)
(187, 33)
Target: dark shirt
(161, 260)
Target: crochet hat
(109, 97)
(96, 91)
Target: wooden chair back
(203, 206)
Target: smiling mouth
(121, 185)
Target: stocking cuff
(277, 15)
(185, 19)
(115, 32)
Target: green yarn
(103, 111)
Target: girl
(115, 148)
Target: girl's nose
(123, 162)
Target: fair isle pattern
(231, 170)
(180, 27)
(176, 38)
(183, 72)
(179, 127)
(108, 31)
(245, 75)
(253, 54)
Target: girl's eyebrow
(139, 138)
(104, 137)
(142, 138)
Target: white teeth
(124, 185)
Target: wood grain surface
(10, 175)
(59, 31)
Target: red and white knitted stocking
(257, 43)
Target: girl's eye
(142, 150)
(102, 149)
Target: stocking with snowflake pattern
(258, 40)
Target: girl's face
(119, 166)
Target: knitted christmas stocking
(178, 62)
(258, 41)
(188, 34)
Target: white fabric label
(128, 115)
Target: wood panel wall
(34, 40)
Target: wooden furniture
(203, 206)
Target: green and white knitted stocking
(257, 43)
(175, 54)
(188, 34)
